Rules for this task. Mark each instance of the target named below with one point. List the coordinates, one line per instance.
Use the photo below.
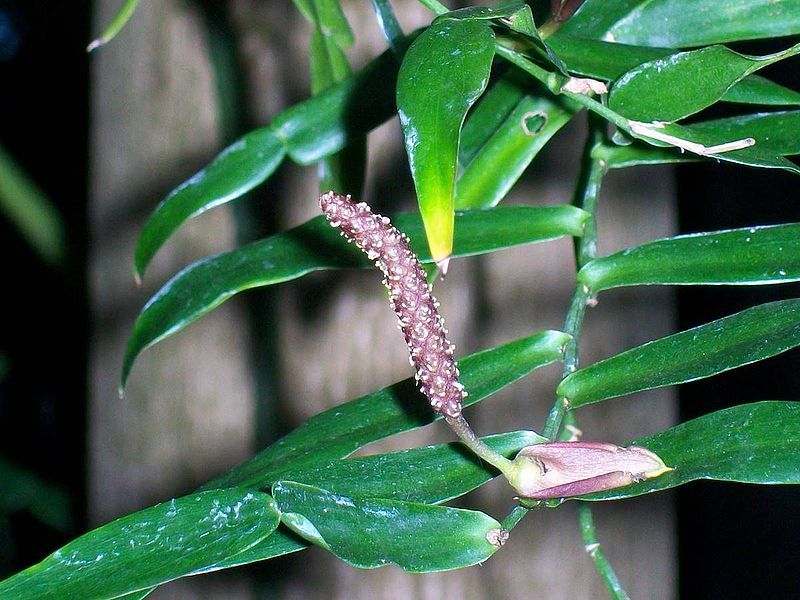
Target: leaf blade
(236, 170)
(740, 444)
(667, 23)
(733, 341)
(673, 87)
(150, 547)
(443, 73)
(418, 538)
(747, 256)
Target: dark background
(735, 541)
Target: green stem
(554, 81)
(586, 196)
(462, 429)
(595, 552)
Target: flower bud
(564, 469)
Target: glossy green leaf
(778, 132)
(510, 150)
(429, 475)
(373, 532)
(206, 284)
(444, 71)
(740, 339)
(676, 86)
(150, 547)
(609, 61)
(490, 112)
(515, 17)
(750, 443)
(343, 171)
(236, 170)
(748, 256)
(755, 89)
(324, 124)
(115, 26)
(672, 23)
(344, 429)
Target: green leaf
(444, 71)
(345, 112)
(755, 89)
(206, 284)
(510, 150)
(778, 132)
(344, 429)
(750, 443)
(373, 532)
(749, 256)
(490, 112)
(150, 547)
(610, 61)
(670, 23)
(515, 17)
(429, 475)
(236, 170)
(30, 211)
(671, 88)
(115, 26)
(740, 339)
(343, 171)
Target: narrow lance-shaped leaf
(609, 61)
(345, 169)
(510, 150)
(206, 284)
(443, 73)
(490, 112)
(671, 88)
(429, 475)
(150, 547)
(344, 429)
(750, 443)
(373, 532)
(748, 256)
(669, 23)
(308, 132)
(236, 170)
(740, 339)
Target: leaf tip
(95, 44)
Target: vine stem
(595, 552)
(586, 197)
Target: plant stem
(462, 429)
(586, 196)
(595, 552)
